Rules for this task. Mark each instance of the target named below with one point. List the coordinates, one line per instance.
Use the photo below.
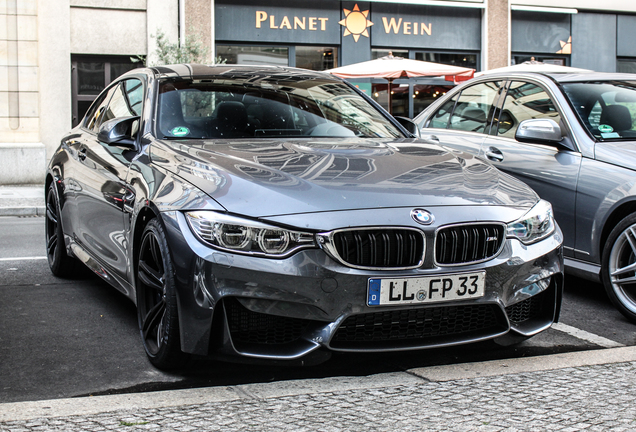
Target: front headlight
(535, 225)
(245, 236)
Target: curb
(22, 200)
(21, 411)
(23, 211)
(526, 364)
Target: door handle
(494, 154)
(81, 154)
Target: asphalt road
(75, 337)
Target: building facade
(57, 55)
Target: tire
(618, 270)
(60, 263)
(157, 309)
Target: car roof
(186, 71)
(564, 77)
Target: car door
(552, 170)
(101, 190)
(465, 117)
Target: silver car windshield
(226, 108)
(607, 109)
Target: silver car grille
(463, 244)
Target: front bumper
(285, 309)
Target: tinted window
(440, 118)
(296, 107)
(135, 95)
(474, 107)
(524, 101)
(94, 116)
(125, 102)
(606, 109)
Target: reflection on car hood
(261, 178)
(621, 153)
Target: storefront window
(90, 77)
(411, 97)
(461, 60)
(399, 97)
(307, 57)
(253, 55)
(422, 94)
(426, 94)
(378, 52)
(316, 58)
(626, 65)
(554, 60)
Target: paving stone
(590, 398)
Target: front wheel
(619, 267)
(60, 263)
(156, 300)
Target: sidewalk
(590, 390)
(22, 200)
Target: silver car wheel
(622, 268)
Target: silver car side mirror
(539, 130)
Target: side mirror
(539, 131)
(409, 125)
(118, 132)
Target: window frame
(500, 109)
(106, 96)
(493, 111)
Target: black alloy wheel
(156, 300)
(619, 267)
(60, 263)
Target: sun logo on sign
(356, 22)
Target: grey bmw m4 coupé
(278, 213)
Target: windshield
(233, 108)
(606, 109)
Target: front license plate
(429, 289)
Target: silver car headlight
(535, 225)
(238, 235)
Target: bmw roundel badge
(422, 216)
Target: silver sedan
(572, 138)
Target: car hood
(261, 178)
(621, 153)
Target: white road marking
(23, 258)
(587, 336)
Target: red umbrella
(390, 68)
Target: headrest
(230, 111)
(616, 116)
(474, 114)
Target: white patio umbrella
(391, 68)
(534, 66)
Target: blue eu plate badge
(374, 292)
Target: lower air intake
(254, 328)
(419, 327)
